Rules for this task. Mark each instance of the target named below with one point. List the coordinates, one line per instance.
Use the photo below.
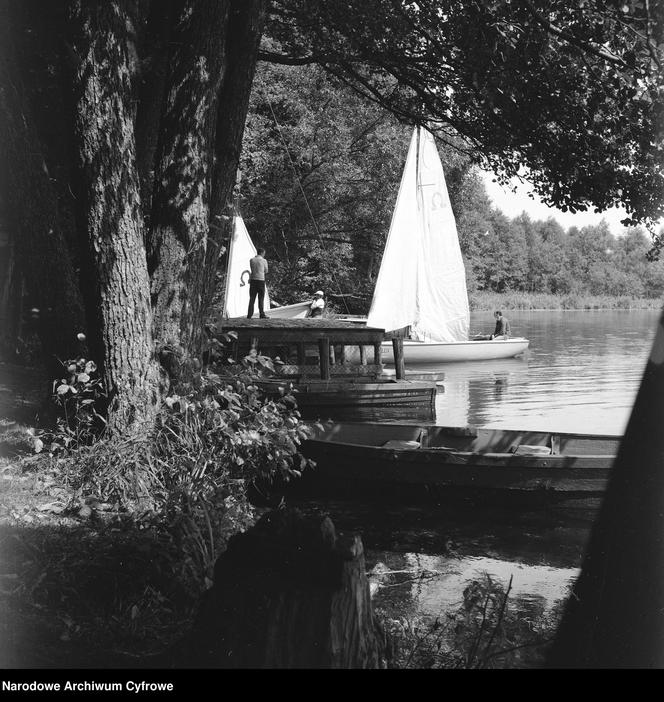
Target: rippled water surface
(581, 373)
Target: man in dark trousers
(258, 266)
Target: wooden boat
(421, 283)
(357, 400)
(458, 459)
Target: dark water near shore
(581, 373)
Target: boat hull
(450, 352)
(299, 310)
(459, 460)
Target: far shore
(488, 301)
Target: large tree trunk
(156, 38)
(31, 206)
(180, 205)
(122, 334)
(245, 27)
(11, 285)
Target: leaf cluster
(79, 398)
(569, 94)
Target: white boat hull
(449, 352)
(296, 311)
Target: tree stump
(289, 593)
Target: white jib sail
(241, 249)
(422, 279)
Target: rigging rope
(299, 182)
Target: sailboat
(236, 298)
(422, 280)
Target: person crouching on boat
(502, 330)
(318, 304)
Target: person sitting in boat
(318, 304)
(502, 330)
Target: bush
(214, 440)
(79, 399)
(485, 632)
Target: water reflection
(420, 559)
(475, 389)
(415, 584)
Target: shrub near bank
(115, 550)
(215, 439)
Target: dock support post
(363, 355)
(399, 364)
(324, 358)
(254, 343)
(342, 354)
(300, 354)
(376, 348)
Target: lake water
(581, 373)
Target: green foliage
(488, 630)
(569, 94)
(213, 441)
(306, 132)
(320, 173)
(489, 301)
(79, 399)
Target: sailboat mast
(418, 189)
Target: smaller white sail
(240, 251)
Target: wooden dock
(329, 336)
(313, 356)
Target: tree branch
(584, 46)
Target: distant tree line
(320, 171)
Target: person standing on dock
(318, 305)
(259, 268)
(502, 326)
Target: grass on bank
(482, 301)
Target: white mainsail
(422, 279)
(241, 249)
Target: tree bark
(151, 95)
(112, 213)
(11, 285)
(180, 206)
(245, 26)
(288, 593)
(31, 206)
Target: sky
(513, 204)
